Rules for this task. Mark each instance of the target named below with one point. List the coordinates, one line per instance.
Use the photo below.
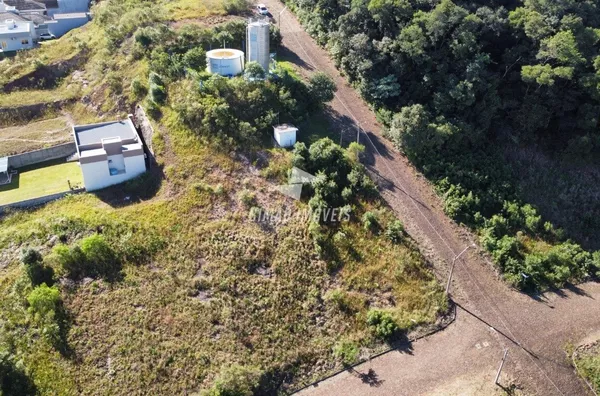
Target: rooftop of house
(26, 5)
(49, 3)
(91, 137)
(6, 16)
(72, 15)
(13, 26)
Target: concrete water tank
(225, 61)
(257, 43)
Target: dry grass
(190, 9)
(34, 136)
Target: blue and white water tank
(225, 61)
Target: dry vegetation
(200, 287)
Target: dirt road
(492, 317)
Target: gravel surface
(535, 329)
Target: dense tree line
(449, 79)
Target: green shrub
(382, 323)
(395, 231)
(153, 109)
(45, 304)
(236, 7)
(115, 83)
(346, 351)
(36, 271)
(370, 222)
(13, 380)
(92, 258)
(247, 197)
(235, 380)
(195, 59)
(138, 89)
(339, 298)
(158, 93)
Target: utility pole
(279, 18)
(453, 264)
(358, 133)
(501, 366)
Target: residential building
(16, 35)
(109, 153)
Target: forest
(455, 82)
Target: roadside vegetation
(459, 84)
(588, 364)
(168, 284)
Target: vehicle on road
(46, 36)
(262, 9)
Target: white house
(109, 153)
(285, 135)
(16, 35)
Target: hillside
(169, 284)
(497, 104)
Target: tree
(36, 271)
(195, 59)
(254, 71)
(322, 88)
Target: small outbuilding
(285, 135)
(109, 153)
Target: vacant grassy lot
(41, 180)
(588, 363)
(34, 136)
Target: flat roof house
(16, 35)
(109, 153)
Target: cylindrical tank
(257, 43)
(225, 61)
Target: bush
(45, 304)
(235, 380)
(115, 83)
(346, 351)
(248, 198)
(236, 7)
(382, 323)
(158, 93)
(322, 88)
(254, 71)
(138, 89)
(370, 221)
(13, 380)
(93, 258)
(36, 271)
(195, 59)
(395, 231)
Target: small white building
(109, 153)
(16, 35)
(285, 135)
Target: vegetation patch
(454, 82)
(587, 359)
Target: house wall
(96, 174)
(12, 41)
(69, 6)
(62, 26)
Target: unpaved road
(462, 359)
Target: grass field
(41, 180)
(34, 136)
(588, 363)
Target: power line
(413, 201)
